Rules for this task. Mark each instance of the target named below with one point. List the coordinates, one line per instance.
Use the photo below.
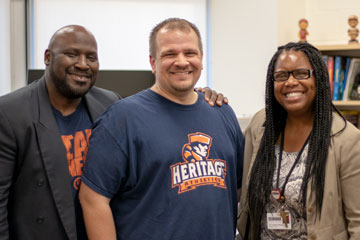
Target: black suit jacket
(36, 201)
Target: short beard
(66, 90)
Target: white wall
(328, 20)
(4, 46)
(18, 44)
(121, 27)
(244, 38)
(12, 45)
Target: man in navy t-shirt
(163, 164)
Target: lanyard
(282, 193)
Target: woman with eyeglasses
(302, 158)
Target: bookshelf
(347, 105)
(345, 50)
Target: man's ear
(47, 57)
(202, 55)
(153, 64)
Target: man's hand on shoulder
(211, 96)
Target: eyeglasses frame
(310, 73)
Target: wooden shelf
(349, 50)
(339, 47)
(348, 105)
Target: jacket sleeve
(349, 174)
(7, 164)
(253, 134)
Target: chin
(184, 88)
(298, 110)
(78, 92)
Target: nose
(181, 60)
(291, 81)
(82, 62)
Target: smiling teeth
(182, 72)
(294, 94)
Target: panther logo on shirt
(197, 169)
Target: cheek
(198, 63)
(277, 90)
(312, 88)
(94, 67)
(161, 65)
(313, 95)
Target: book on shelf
(325, 58)
(351, 85)
(336, 78)
(346, 71)
(338, 68)
(330, 65)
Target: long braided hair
(262, 172)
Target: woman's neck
(297, 130)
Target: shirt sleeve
(106, 161)
(239, 142)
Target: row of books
(352, 116)
(344, 76)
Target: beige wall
(244, 37)
(289, 13)
(327, 20)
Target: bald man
(45, 128)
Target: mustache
(77, 72)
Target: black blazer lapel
(55, 162)
(94, 107)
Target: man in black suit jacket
(38, 197)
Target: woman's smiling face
(294, 95)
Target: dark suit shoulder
(20, 105)
(20, 96)
(98, 100)
(104, 94)
(101, 96)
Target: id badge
(277, 222)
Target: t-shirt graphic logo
(197, 169)
(76, 149)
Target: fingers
(219, 100)
(208, 93)
(226, 100)
(212, 97)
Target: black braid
(261, 176)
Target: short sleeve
(106, 162)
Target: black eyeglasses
(299, 74)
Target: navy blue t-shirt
(172, 171)
(75, 131)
